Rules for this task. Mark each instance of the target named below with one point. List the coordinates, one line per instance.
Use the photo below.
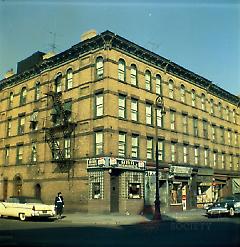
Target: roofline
(109, 40)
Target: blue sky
(202, 36)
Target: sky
(200, 35)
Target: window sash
(196, 155)
(158, 85)
(99, 143)
(133, 75)
(99, 105)
(122, 106)
(159, 117)
(160, 150)
(69, 79)
(34, 152)
(185, 154)
(148, 81)
(172, 120)
(99, 67)
(134, 147)
(148, 114)
(19, 154)
(121, 144)
(121, 70)
(149, 148)
(185, 124)
(193, 98)
(173, 152)
(134, 110)
(171, 93)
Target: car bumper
(42, 214)
(237, 211)
(217, 211)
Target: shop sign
(115, 162)
(181, 171)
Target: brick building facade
(85, 122)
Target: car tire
(22, 217)
(231, 212)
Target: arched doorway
(17, 183)
(37, 190)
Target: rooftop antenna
(53, 44)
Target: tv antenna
(53, 44)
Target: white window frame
(134, 146)
(134, 109)
(122, 144)
(121, 70)
(99, 104)
(98, 142)
(148, 113)
(133, 75)
(122, 106)
(148, 80)
(149, 148)
(158, 84)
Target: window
(96, 190)
(211, 106)
(134, 190)
(21, 124)
(121, 70)
(99, 68)
(203, 102)
(222, 139)
(134, 146)
(56, 150)
(205, 129)
(236, 138)
(183, 93)
(185, 123)
(37, 91)
(33, 120)
(173, 152)
(223, 160)
(9, 126)
(227, 113)
(148, 113)
(134, 109)
(10, 103)
(58, 83)
(234, 116)
(23, 96)
(159, 118)
(214, 139)
(122, 106)
(99, 104)
(149, 148)
(195, 126)
(171, 89)
(19, 154)
(67, 110)
(196, 155)
(220, 109)
(148, 81)
(122, 144)
(206, 156)
(99, 143)
(193, 98)
(172, 120)
(231, 161)
(185, 153)
(134, 75)
(229, 133)
(215, 159)
(34, 152)
(67, 148)
(7, 155)
(69, 81)
(160, 150)
(158, 84)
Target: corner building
(85, 122)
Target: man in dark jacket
(59, 205)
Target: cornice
(109, 40)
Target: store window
(176, 193)
(96, 190)
(134, 190)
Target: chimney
(88, 35)
(48, 55)
(9, 73)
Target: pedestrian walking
(59, 205)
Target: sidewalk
(120, 219)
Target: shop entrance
(114, 193)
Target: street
(190, 230)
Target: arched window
(148, 80)
(121, 70)
(220, 110)
(37, 91)
(203, 102)
(227, 113)
(99, 68)
(171, 89)
(211, 106)
(234, 116)
(183, 93)
(58, 83)
(134, 74)
(10, 103)
(69, 81)
(23, 96)
(158, 84)
(17, 182)
(193, 98)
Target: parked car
(25, 207)
(225, 206)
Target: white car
(25, 207)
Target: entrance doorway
(5, 188)
(38, 191)
(17, 181)
(114, 196)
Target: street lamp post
(157, 213)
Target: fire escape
(60, 132)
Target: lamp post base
(157, 214)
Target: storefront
(115, 185)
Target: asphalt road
(217, 232)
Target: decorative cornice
(109, 40)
